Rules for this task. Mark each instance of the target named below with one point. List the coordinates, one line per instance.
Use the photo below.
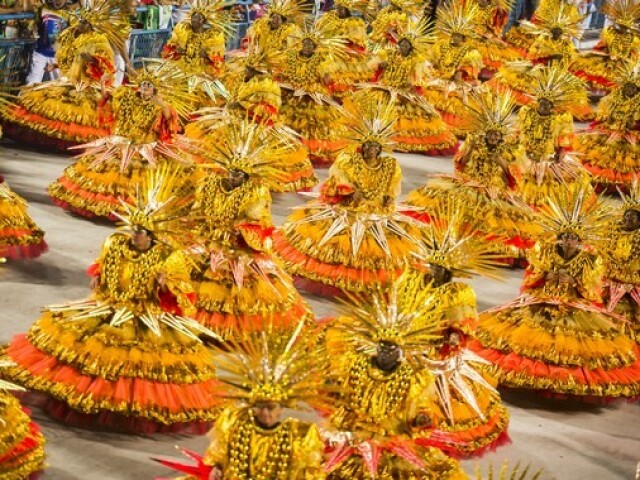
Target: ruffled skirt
(331, 254)
(117, 377)
(20, 237)
(597, 72)
(565, 349)
(21, 443)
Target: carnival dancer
(238, 287)
(401, 75)
(490, 22)
(274, 30)
(352, 237)
(256, 97)
(197, 46)
(555, 32)
(467, 411)
(125, 358)
(456, 61)
(387, 22)
(486, 170)
(609, 147)
(66, 112)
(21, 443)
(20, 237)
(619, 42)
(344, 22)
(252, 438)
(383, 390)
(306, 83)
(146, 114)
(622, 282)
(557, 337)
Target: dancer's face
(493, 138)
(556, 33)
(405, 47)
(57, 4)
(570, 244)
(249, 73)
(268, 414)
(545, 107)
(371, 150)
(457, 39)
(83, 26)
(275, 21)
(147, 90)
(631, 220)
(621, 29)
(308, 47)
(630, 90)
(142, 240)
(236, 178)
(484, 3)
(388, 356)
(343, 12)
(440, 275)
(197, 22)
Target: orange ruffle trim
(67, 131)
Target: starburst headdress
(418, 33)
(364, 119)
(360, 6)
(559, 86)
(248, 147)
(623, 12)
(323, 36)
(631, 198)
(279, 366)
(411, 7)
(213, 13)
(491, 110)
(457, 17)
(628, 72)
(293, 10)
(390, 316)
(564, 17)
(454, 242)
(158, 207)
(106, 17)
(575, 211)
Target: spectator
(51, 22)
(257, 10)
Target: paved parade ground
(570, 441)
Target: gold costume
(20, 237)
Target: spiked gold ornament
(565, 18)
(452, 241)
(576, 211)
(390, 316)
(492, 111)
(322, 35)
(458, 17)
(631, 199)
(106, 17)
(272, 366)
(559, 86)
(505, 473)
(419, 33)
(213, 13)
(623, 12)
(628, 72)
(365, 119)
(293, 10)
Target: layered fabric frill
(562, 348)
(612, 157)
(21, 443)
(598, 72)
(495, 53)
(98, 372)
(236, 291)
(503, 217)
(56, 116)
(113, 168)
(20, 237)
(316, 121)
(332, 248)
(392, 459)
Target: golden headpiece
(559, 86)
(491, 110)
(293, 10)
(252, 149)
(563, 17)
(631, 198)
(278, 366)
(323, 36)
(8, 386)
(389, 316)
(213, 13)
(157, 207)
(418, 33)
(628, 72)
(170, 82)
(412, 8)
(575, 211)
(353, 5)
(457, 17)
(623, 12)
(453, 241)
(364, 119)
(106, 17)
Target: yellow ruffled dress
(20, 237)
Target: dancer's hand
(215, 474)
